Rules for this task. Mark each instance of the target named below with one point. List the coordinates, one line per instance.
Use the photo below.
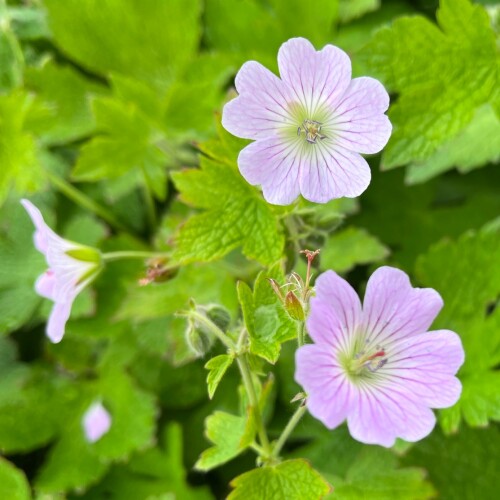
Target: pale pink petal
(318, 78)
(333, 172)
(275, 165)
(335, 311)
(423, 366)
(57, 320)
(359, 123)
(262, 108)
(379, 416)
(330, 395)
(393, 309)
(43, 232)
(96, 422)
(45, 284)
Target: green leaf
(29, 23)
(236, 215)
(133, 416)
(352, 9)
(13, 482)
(230, 435)
(266, 320)
(218, 367)
(462, 466)
(472, 148)
(11, 57)
(351, 247)
(467, 275)
(152, 474)
(21, 168)
(66, 94)
(290, 480)
(442, 74)
(128, 141)
(375, 474)
(127, 37)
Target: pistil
(312, 130)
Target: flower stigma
(312, 130)
(372, 361)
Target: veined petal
(330, 394)
(57, 320)
(45, 285)
(359, 122)
(335, 311)
(262, 107)
(379, 416)
(318, 78)
(424, 366)
(333, 172)
(393, 309)
(43, 235)
(275, 164)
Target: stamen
(312, 130)
(370, 361)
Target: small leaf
(218, 367)
(290, 480)
(266, 320)
(230, 435)
(13, 482)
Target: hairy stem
(292, 423)
(200, 318)
(132, 254)
(246, 375)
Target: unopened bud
(158, 272)
(294, 307)
(199, 339)
(219, 315)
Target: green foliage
(442, 75)
(235, 215)
(155, 473)
(290, 480)
(467, 277)
(230, 434)
(218, 367)
(13, 483)
(463, 466)
(267, 322)
(109, 36)
(472, 148)
(350, 247)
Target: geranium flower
(309, 126)
(377, 366)
(71, 268)
(96, 422)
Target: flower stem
(299, 413)
(150, 204)
(246, 375)
(85, 201)
(301, 334)
(132, 254)
(200, 318)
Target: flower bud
(199, 339)
(219, 315)
(294, 307)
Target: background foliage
(121, 100)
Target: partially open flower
(71, 268)
(378, 366)
(309, 126)
(96, 422)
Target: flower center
(312, 130)
(371, 360)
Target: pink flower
(378, 366)
(71, 268)
(96, 422)
(309, 126)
